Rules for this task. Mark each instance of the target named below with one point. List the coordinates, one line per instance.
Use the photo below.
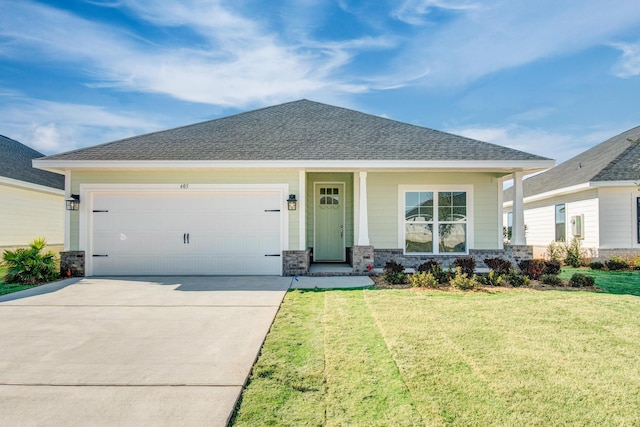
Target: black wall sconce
(73, 202)
(292, 202)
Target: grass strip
(286, 386)
(364, 386)
(613, 282)
(516, 358)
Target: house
(274, 190)
(32, 200)
(593, 197)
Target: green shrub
(617, 263)
(422, 279)
(30, 266)
(533, 268)
(517, 279)
(574, 256)
(435, 268)
(551, 267)
(428, 265)
(551, 279)
(462, 280)
(491, 279)
(393, 267)
(499, 265)
(555, 252)
(579, 280)
(596, 265)
(635, 262)
(467, 264)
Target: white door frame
(344, 219)
(85, 226)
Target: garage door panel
(145, 233)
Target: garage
(185, 233)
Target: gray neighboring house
(274, 190)
(593, 197)
(32, 199)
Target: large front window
(435, 222)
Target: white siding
(618, 217)
(26, 214)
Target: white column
(67, 214)
(500, 213)
(363, 217)
(302, 209)
(517, 234)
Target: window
(435, 221)
(561, 222)
(329, 196)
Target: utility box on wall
(577, 226)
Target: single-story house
(593, 197)
(274, 190)
(32, 199)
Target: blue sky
(548, 77)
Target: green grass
(405, 357)
(6, 288)
(613, 282)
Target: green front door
(329, 222)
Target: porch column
(363, 214)
(517, 233)
(67, 214)
(302, 209)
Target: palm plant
(30, 266)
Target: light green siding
(345, 177)
(382, 194)
(193, 176)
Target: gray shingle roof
(615, 159)
(299, 130)
(15, 163)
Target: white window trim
(402, 189)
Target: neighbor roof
(15, 163)
(616, 159)
(299, 130)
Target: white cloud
(629, 64)
(52, 127)
(416, 12)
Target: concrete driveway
(132, 351)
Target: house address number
(184, 186)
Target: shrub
(435, 268)
(30, 266)
(597, 265)
(635, 262)
(517, 279)
(617, 263)
(551, 267)
(467, 265)
(499, 265)
(579, 280)
(551, 279)
(394, 273)
(423, 279)
(428, 265)
(574, 256)
(555, 252)
(491, 279)
(532, 268)
(462, 281)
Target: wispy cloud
(416, 12)
(629, 63)
(52, 127)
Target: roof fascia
(59, 166)
(30, 186)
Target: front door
(329, 222)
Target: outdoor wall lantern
(73, 202)
(292, 202)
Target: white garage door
(194, 233)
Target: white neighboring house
(32, 199)
(593, 196)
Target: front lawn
(613, 282)
(407, 357)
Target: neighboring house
(32, 200)
(217, 197)
(593, 196)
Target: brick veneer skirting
(72, 264)
(296, 263)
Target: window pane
(453, 237)
(418, 237)
(445, 199)
(445, 214)
(418, 206)
(561, 223)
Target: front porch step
(332, 270)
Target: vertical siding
(194, 176)
(618, 217)
(539, 217)
(345, 177)
(382, 194)
(27, 214)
